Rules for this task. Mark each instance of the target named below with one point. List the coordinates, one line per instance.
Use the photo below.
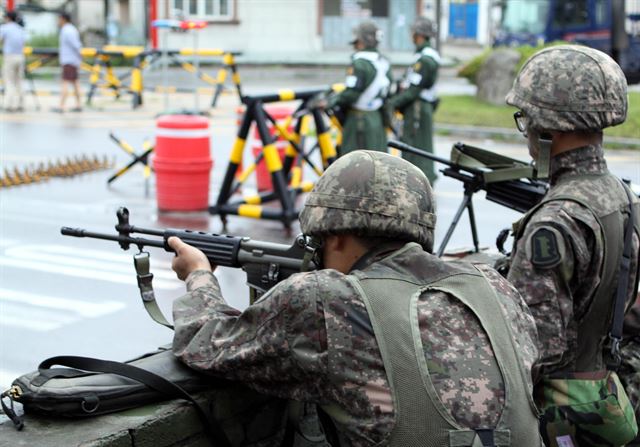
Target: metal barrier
(285, 175)
(102, 75)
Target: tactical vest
(373, 95)
(426, 94)
(421, 419)
(593, 327)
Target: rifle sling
(145, 284)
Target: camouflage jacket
(281, 346)
(560, 292)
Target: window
(571, 14)
(204, 9)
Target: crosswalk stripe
(86, 258)
(85, 309)
(33, 318)
(81, 263)
(83, 272)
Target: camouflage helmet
(423, 27)
(569, 88)
(368, 33)
(371, 194)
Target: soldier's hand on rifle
(188, 259)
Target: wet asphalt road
(67, 296)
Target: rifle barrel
(79, 232)
(412, 150)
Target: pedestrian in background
(417, 99)
(367, 86)
(13, 38)
(70, 60)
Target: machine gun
(265, 263)
(506, 181)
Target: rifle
(265, 263)
(506, 181)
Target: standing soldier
(569, 250)
(417, 99)
(367, 86)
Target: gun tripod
(467, 203)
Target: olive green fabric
(417, 127)
(591, 409)
(417, 131)
(361, 129)
(421, 418)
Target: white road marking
(85, 309)
(83, 263)
(33, 318)
(6, 377)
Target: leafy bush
(470, 69)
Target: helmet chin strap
(541, 143)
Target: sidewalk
(452, 52)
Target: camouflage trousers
(630, 372)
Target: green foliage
(470, 69)
(43, 41)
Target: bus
(612, 26)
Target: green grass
(467, 110)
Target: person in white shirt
(13, 37)
(70, 60)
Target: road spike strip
(70, 166)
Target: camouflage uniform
(630, 367)
(311, 337)
(560, 292)
(568, 249)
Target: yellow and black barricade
(142, 158)
(285, 176)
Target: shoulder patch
(417, 66)
(545, 247)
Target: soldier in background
(417, 99)
(367, 86)
(568, 249)
(396, 346)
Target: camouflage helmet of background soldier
(371, 194)
(568, 88)
(423, 27)
(368, 33)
